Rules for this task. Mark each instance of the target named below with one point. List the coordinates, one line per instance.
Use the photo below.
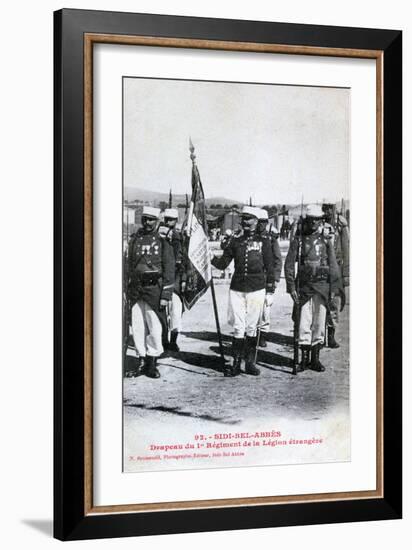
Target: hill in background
(155, 197)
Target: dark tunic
(339, 235)
(341, 243)
(180, 271)
(277, 256)
(318, 271)
(150, 270)
(254, 269)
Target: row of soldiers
(316, 271)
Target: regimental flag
(199, 270)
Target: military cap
(314, 211)
(263, 214)
(171, 213)
(250, 211)
(151, 212)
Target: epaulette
(165, 232)
(133, 236)
(328, 231)
(273, 232)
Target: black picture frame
(71, 521)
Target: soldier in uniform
(315, 285)
(252, 284)
(336, 228)
(285, 230)
(150, 282)
(262, 230)
(175, 238)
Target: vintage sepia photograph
(236, 274)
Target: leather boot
(250, 354)
(262, 340)
(135, 369)
(332, 343)
(315, 363)
(305, 363)
(237, 350)
(173, 341)
(150, 368)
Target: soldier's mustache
(247, 224)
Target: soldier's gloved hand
(269, 299)
(295, 297)
(163, 304)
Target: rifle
(168, 322)
(297, 306)
(259, 330)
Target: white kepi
(151, 212)
(251, 211)
(171, 213)
(314, 211)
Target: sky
(271, 142)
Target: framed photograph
(227, 274)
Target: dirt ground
(192, 387)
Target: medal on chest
(254, 245)
(148, 249)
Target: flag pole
(219, 334)
(194, 167)
(212, 286)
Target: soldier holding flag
(251, 287)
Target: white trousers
(245, 309)
(266, 319)
(176, 313)
(312, 322)
(147, 330)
